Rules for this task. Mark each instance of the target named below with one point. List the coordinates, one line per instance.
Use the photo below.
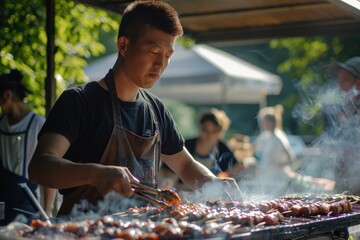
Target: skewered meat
(191, 221)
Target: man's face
(146, 59)
(357, 84)
(210, 132)
(345, 80)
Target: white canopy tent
(203, 75)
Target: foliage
(307, 62)
(185, 117)
(23, 42)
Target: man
(345, 129)
(19, 127)
(347, 78)
(347, 75)
(101, 136)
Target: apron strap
(25, 144)
(152, 113)
(158, 135)
(110, 83)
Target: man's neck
(126, 90)
(17, 113)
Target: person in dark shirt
(102, 136)
(208, 148)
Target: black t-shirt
(84, 115)
(224, 156)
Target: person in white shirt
(275, 172)
(273, 150)
(19, 127)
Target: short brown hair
(272, 114)
(219, 118)
(141, 14)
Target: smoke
(335, 153)
(112, 203)
(264, 184)
(315, 100)
(211, 191)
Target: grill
(291, 227)
(306, 228)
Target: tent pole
(50, 59)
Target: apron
(141, 155)
(10, 192)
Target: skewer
(228, 194)
(27, 212)
(261, 224)
(34, 201)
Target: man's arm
(195, 175)
(191, 172)
(50, 169)
(49, 200)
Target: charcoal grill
(335, 227)
(306, 228)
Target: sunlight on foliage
(23, 42)
(307, 62)
(185, 117)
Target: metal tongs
(171, 197)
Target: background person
(19, 127)
(242, 148)
(273, 150)
(272, 145)
(277, 170)
(347, 77)
(341, 138)
(103, 135)
(208, 148)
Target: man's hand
(231, 188)
(113, 178)
(324, 184)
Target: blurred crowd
(267, 164)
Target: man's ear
(122, 44)
(7, 95)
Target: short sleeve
(64, 118)
(172, 139)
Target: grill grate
(290, 228)
(303, 228)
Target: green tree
(23, 42)
(307, 62)
(185, 117)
